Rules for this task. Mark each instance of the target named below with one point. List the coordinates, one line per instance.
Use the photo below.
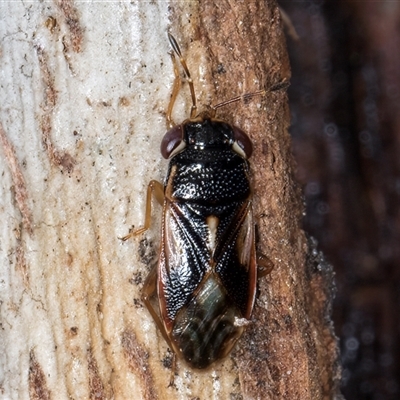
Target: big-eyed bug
(204, 283)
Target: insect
(202, 291)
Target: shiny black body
(207, 269)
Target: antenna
(278, 86)
(177, 50)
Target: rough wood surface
(84, 92)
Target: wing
(184, 258)
(187, 254)
(235, 258)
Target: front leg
(155, 189)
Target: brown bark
(290, 350)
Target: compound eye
(172, 142)
(243, 147)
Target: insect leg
(174, 94)
(264, 265)
(155, 189)
(173, 370)
(182, 60)
(148, 292)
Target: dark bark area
(345, 106)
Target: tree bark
(84, 92)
